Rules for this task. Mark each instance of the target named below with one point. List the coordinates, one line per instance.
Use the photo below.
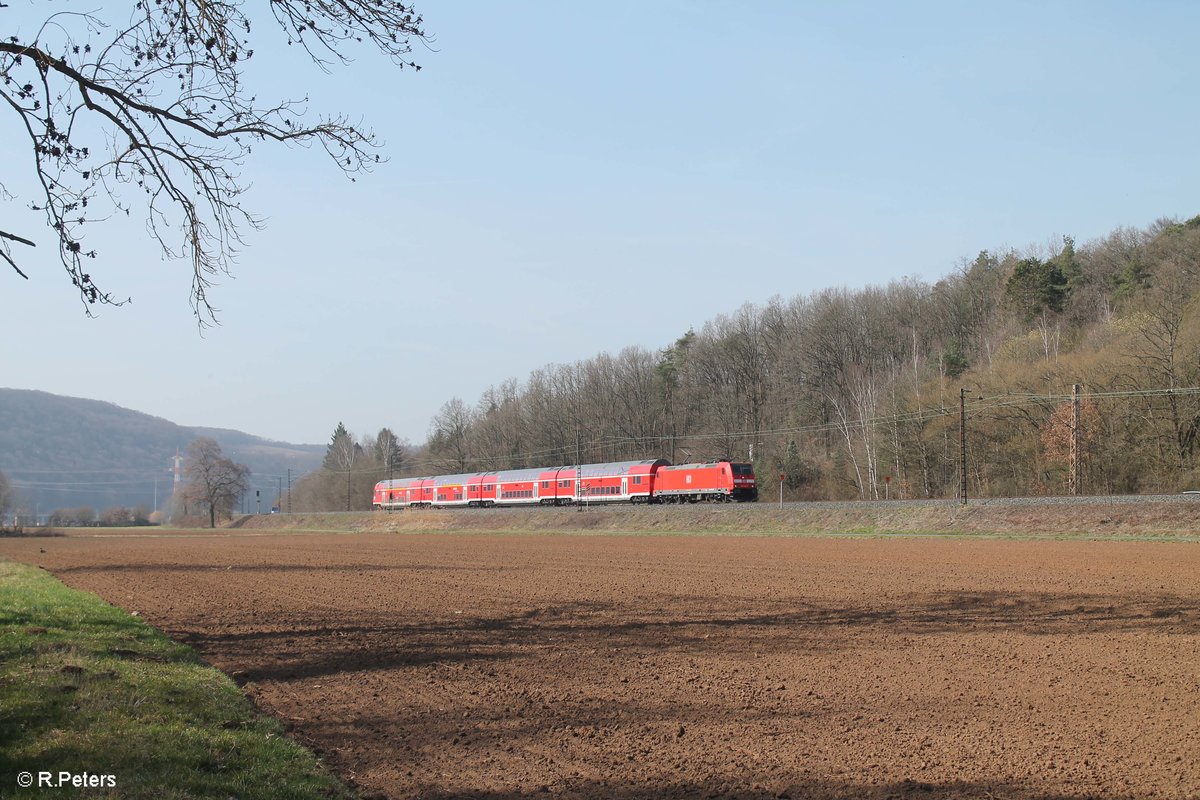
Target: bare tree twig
(157, 107)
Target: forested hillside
(70, 452)
(855, 393)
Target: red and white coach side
(617, 482)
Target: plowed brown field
(490, 666)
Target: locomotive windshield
(743, 469)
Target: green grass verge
(87, 688)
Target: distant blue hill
(67, 452)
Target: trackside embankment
(1170, 518)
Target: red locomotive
(691, 483)
(652, 481)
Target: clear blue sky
(567, 178)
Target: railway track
(766, 505)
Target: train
(647, 481)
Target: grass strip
(88, 688)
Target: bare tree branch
(157, 106)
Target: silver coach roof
(522, 475)
(531, 474)
(616, 467)
(455, 480)
(588, 470)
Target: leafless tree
(145, 107)
(342, 455)
(214, 481)
(1166, 352)
(83, 515)
(115, 517)
(7, 497)
(389, 452)
(501, 433)
(451, 434)
(673, 371)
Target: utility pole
(289, 504)
(1073, 475)
(176, 496)
(578, 469)
(962, 445)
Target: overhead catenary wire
(976, 406)
(430, 463)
